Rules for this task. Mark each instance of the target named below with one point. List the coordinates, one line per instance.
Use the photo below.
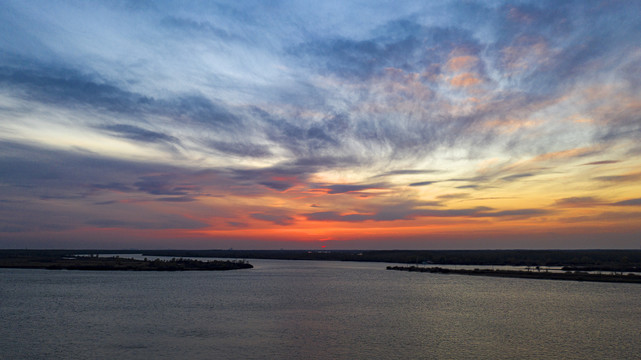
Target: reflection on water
(312, 310)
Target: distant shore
(117, 263)
(569, 275)
(582, 261)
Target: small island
(75, 262)
(568, 275)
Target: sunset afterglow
(295, 124)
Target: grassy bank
(116, 263)
(569, 275)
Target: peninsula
(117, 263)
(568, 275)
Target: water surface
(312, 310)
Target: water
(312, 310)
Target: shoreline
(120, 264)
(567, 276)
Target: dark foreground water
(312, 310)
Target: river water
(312, 310)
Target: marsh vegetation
(55, 261)
(528, 274)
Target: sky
(320, 124)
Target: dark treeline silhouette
(568, 275)
(608, 260)
(59, 261)
(581, 260)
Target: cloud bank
(230, 121)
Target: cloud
(241, 149)
(347, 188)
(468, 187)
(619, 178)
(567, 154)
(51, 172)
(517, 213)
(202, 28)
(274, 218)
(403, 44)
(336, 216)
(465, 80)
(414, 210)
(603, 162)
(149, 108)
(604, 217)
(177, 199)
(461, 62)
(629, 202)
(238, 224)
(108, 202)
(138, 134)
(113, 186)
(162, 184)
(279, 177)
(64, 86)
(68, 87)
(454, 196)
(405, 172)
(314, 163)
(517, 176)
(169, 222)
(201, 110)
(582, 201)
(423, 183)
(277, 185)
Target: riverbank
(573, 276)
(575, 260)
(117, 263)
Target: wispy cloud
(406, 172)
(628, 202)
(117, 114)
(602, 162)
(423, 183)
(138, 134)
(581, 201)
(517, 176)
(620, 178)
(346, 188)
(403, 212)
(277, 219)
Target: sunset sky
(310, 124)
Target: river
(312, 310)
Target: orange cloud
(629, 177)
(511, 125)
(517, 15)
(459, 63)
(565, 154)
(526, 53)
(464, 80)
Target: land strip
(117, 263)
(568, 275)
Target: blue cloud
(138, 134)
(247, 98)
(277, 185)
(423, 183)
(345, 188)
(277, 219)
(69, 87)
(628, 202)
(401, 44)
